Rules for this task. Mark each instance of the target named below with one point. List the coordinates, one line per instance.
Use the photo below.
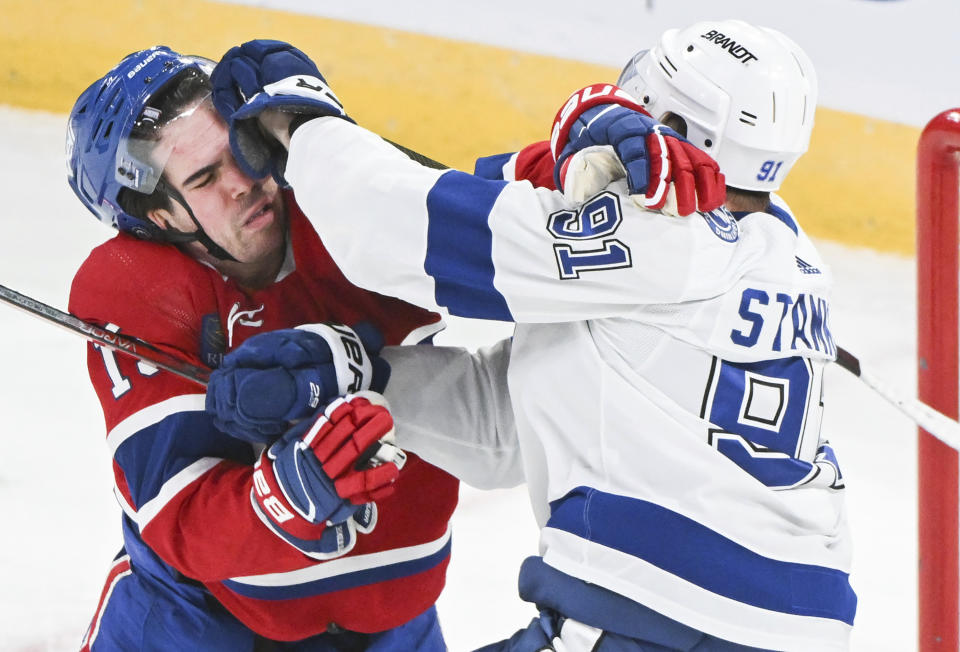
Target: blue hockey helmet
(107, 150)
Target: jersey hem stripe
(687, 603)
(351, 564)
(701, 556)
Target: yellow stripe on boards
(451, 100)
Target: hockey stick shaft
(934, 422)
(378, 452)
(418, 157)
(117, 341)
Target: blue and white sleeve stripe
(460, 245)
(492, 167)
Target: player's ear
(160, 216)
(675, 122)
(170, 218)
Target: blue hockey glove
(653, 155)
(315, 486)
(276, 378)
(261, 75)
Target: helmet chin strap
(179, 237)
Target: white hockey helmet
(747, 94)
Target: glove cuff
(352, 364)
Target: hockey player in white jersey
(665, 375)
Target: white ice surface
(60, 523)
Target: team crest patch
(723, 224)
(213, 341)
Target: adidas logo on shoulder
(805, 267)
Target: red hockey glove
(322, 472)
(653, 155)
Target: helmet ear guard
(748, 95)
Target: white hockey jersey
(665, 379)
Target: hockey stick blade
(934, 422)
(118, 342)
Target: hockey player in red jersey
(217, 557)
(227, 545)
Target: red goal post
(938, 196)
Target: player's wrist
(296, 123)
(276, 124)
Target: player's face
(244, 216)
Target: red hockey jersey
(185, 487)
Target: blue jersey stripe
(341, 582)
(158, 452)
(459, 246)
(697, 554)
(777, 212)
(783, 216)
(491, 167)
